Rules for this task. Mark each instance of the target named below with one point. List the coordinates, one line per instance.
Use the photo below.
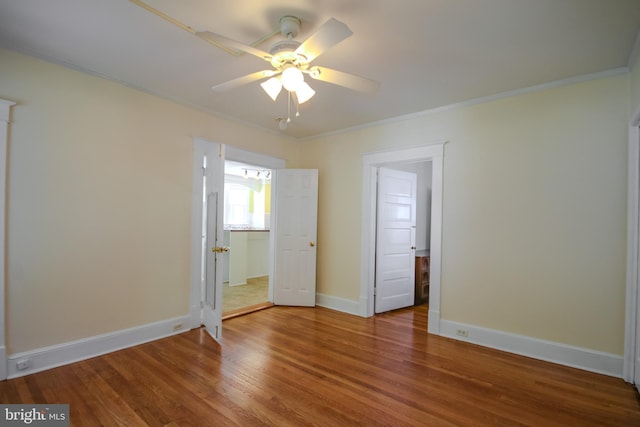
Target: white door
(296, 215)
(395, 240)
(213, 189)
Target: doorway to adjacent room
(247, 220)
(292, 235)
(403, 227)
(371, 162)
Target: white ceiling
(425, 53)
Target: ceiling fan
(291, 60)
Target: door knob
(312, 244)
(220, 249)
(413, 248)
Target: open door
(211, 157)
(396, 240)
(295, 228)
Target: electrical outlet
(23, 364)
(462, 332)
(178, 326)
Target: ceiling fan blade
(347, 80)
(232, 84)
(225, 43)
(330, 34)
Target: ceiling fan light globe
(292, 78)
(304, 92)
(272, 87)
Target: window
(236, 205)
(247, 196)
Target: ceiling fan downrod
(289, 26)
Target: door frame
(631, 342)
(433, 152)
(5, 113)
(229, 152)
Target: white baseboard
(63, 354)
(563, 354)
(363, 310)
(339, 304)
(75, 351)
(433, 322)
(195, 316)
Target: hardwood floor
(246, 310)
(292, 366)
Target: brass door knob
(312, 244)
(220, 249)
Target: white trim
(195, 297)
(339, 304)
(635, 51)
(433, 320)
(370, 163)
(562, 354)
(481, 100)
(5, 113)
(75, 351)
(633, 234)
(5, 110)
(255, 159)
(230, 153)
(273, 131)
(175, 99)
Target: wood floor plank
(295, 366)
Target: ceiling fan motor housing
(284, 52)
(289, 26)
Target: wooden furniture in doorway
(423, 259)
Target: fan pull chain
(297, 105)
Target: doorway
(433, 153)
(207, 232)
(403, 227)
(631, 361)
(247, 224)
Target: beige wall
(534, 210)
(99, 202)
(99, 206)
